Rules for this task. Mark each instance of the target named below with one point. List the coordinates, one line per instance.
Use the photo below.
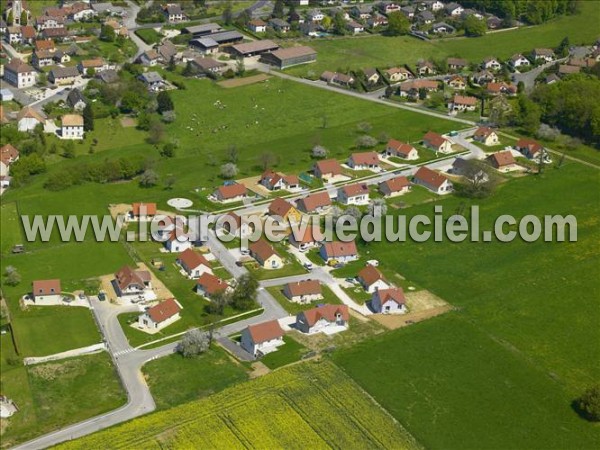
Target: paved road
(528, 78)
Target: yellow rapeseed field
(311, 405)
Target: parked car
(82, 296)
(308, 266)
(373, 262)
(101, 296)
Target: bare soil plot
(236, 82)
(252, 184)
(422, 305)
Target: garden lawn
(174, 380)
(288, 353)
(11, 229)
(352, 53)
(45, 330)
(294, 308)
(53, 395)
(457, 387)
(149, 35)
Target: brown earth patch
(236, 82)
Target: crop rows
(311, 405)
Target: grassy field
(69, 327)
(382, 51)
(295, 308)
(454, 386)
(315, 404)
(52, 395)
(174, 380)
(288, 353)
(11, 229)
(509, 296)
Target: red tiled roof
(464, 100)
(430, 177)
(327, 312)
(164, 310)
(401, 148)
(530, 144)
(192, 259)
(483, 131)
(329, 166)
(502, 159)
(396, 184)
(365, 158)
(370, 275)
(314, 201)
(434, 139)
(337, 248)
(232, 191)
(8, 154)
(393, 294)
(352, 190)
(211, 284)
(127, 276)
(262, 249)
(304, 287)
(280, 207)
(46, 287)
(149, 209)
(265, 331)
(310, 235)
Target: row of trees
(100, 172)
(532, 11)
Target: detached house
(19, 74)
(389, 301)
(315, 15)
(233, 224)
(364, 161)
(483, 77)
(362, 12)
(491, 63)
(28, 118)
(518, 60)
(529, 148)
(337, 78)
(71, 126)
(160, 316)
(265, 255)
(341, 252)
(457, 63)
(305, 239)
(8, 155)
(486, 135)
(314, 203)
(258, 340)
(142, 211)
(305, 291)
(257, 26)
(63, 75)
(354, 194)
(502, 161)
(76, 100)
(208, 285)
(279, 25)
(462, 103)
(544, 54)
(174, 14)
(230, 193)
(328, 319)
(401, 150)
(394, 187)
(284, 209)
(437, 142)
(442, 28)
(327, 169)
(97, 65)
(130, 282)
(46, 292)
(371, 76)
(457, 83)
(354, 27)
(425, 68)
(433, 181)
(501, 88)
(371, 279)
(178, 241)
(274, 181)
(454, 9)
(425, 17)
(194, 264)
(397, 74)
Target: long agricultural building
(288, 57)
(252, 48)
